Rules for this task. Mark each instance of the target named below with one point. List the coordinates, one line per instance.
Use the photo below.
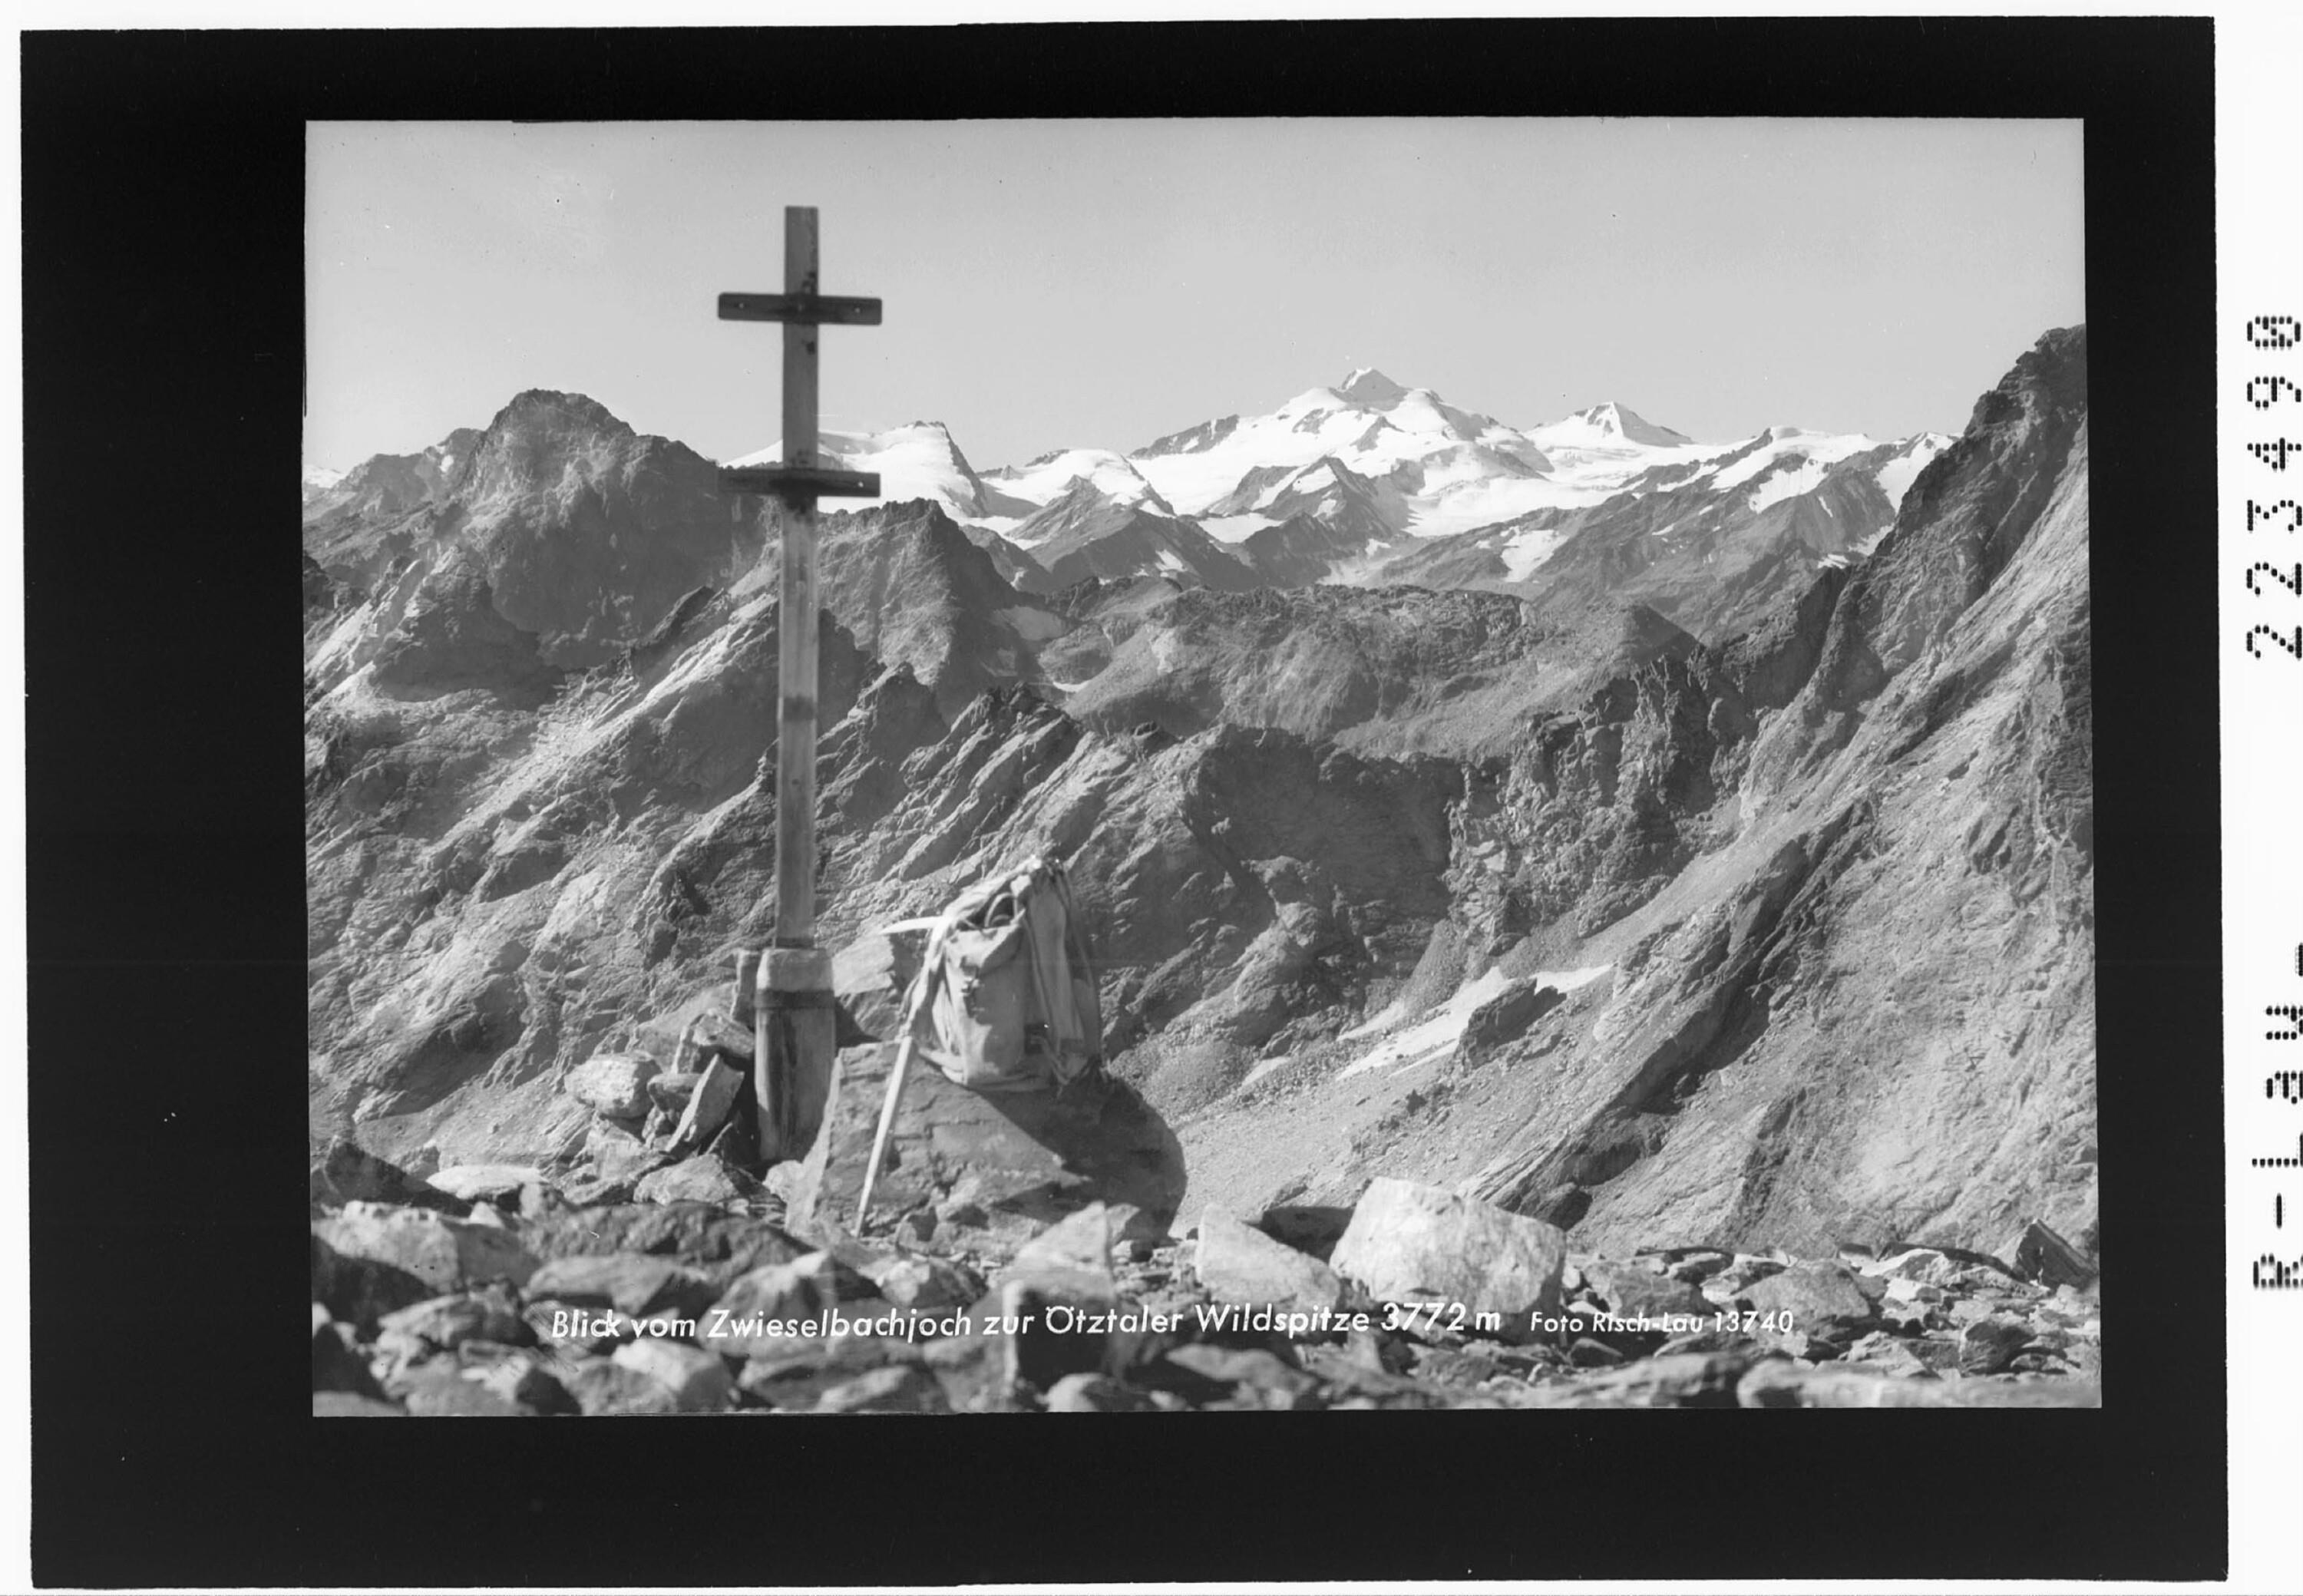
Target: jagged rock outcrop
(914, 591)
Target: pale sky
(1051, 284)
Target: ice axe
(913, 1003)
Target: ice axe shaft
(886, 1123)
(913, 1003)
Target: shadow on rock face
(1011, 1163)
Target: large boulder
(1074, 1257)
(336, 1362)
(602, 1386)
(870, 977)
(487, 1183)
(1817, 1299)
(1412, 1243)
(1238, 1264)
(618, 1155)
(1633, 1291)
(1232, 1377)
(1675, 1380)
(786, 1296)
(1989, 1345)
(705, 1237)
(1308, 1228)
(671, 1092)
(920, 1280)
(492, 1313)
(698, 1380)
(443, 1254)
(361, 1290)
(1023, 1159)
(345, 1171)
(795, 1375)
(706, 1108)
(894, 1388)
(613, 1084)
(511, 1388)
(705, 1178)
(632, 1283)
(2043, 1255)
(715, 1033)
(1040, 1300)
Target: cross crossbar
(785, 482)
(812, 309)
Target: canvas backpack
(1006, 997)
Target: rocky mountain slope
(1771, 930)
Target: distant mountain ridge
(1369, 482)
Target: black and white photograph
(1479, 721)
(1177, 765)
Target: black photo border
(162, 260)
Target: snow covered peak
(1370, 389)
(916, 460)
(1312, 402)
(1607, 425)
(1111, 476)
(319, 481)
(1633, 428)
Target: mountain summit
(1607, 423)
(916, 460)
(1370, 389)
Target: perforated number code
(2266, 391)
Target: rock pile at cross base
(511, 1303)
(1778, 941)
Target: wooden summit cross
(793, 1029)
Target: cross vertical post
(795, 614)
(793, 1028)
